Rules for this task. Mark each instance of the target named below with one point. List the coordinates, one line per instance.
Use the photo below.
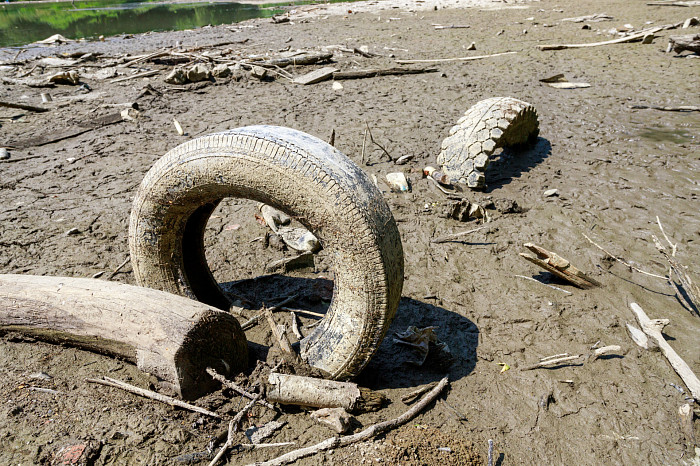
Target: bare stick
(232, 429)
(560, 355)
(439, 60)
(455, 236)
(295, 327)
(545, 284)
(303, 311)
(371, 139)
(683, 277)
(253, 321)
(653, 329)
(152, 395)
(371, 431)
(682, 108)
(31, 108)
(135, 76)
(630, 38)
(257, 446)
(121, 266)
(280, 335)
(408, 398)
(490, 454)
(364, 140)
(622, 261)
(237, 388)
(554, 361)
(331, 140)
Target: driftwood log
(687, 42)
(171, 337)
(321, 393)
(558, 266)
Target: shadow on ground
(512, 163)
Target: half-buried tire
(302, 176)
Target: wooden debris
(152, 395)
(30, 108)
(238, 389)
(680, 4)
(336, 418)
(451, 26)
(66, 134)
(304, 58)
(178, 127)
(630, 38)
(291, 263)
(558, 266)
(559, 81)
(623, 261)
(321, 393)
(257, 434)
(590, 18)
(371, 73)
(410, 397)
(685, 417)
(682, 108)
(561, 359)
(690, 42)
(692, 291)
(166, 335)
(371, 138)
(440, 60)
(232, 429)
(456, 236)
(280, 333)
(653, 330)
(369, 432)
(545, 284)
(315, 76)
(638, 336)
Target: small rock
(648, 39)
(221, 71)
(4, 154)
(336, 418)
(586, 26)
(472, 46)
(258, 434)
(68, 77)
(299, 239)
(40, 376)
(72, 232)
(258, 72)
(129, 114)
(500, 32)
(551, 193)
(507, 206)
(176, 76)
(458, 210)
(337, 86)
(198, 72)
(476, 211)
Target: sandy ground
(615, 168)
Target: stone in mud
(4, 154)
(221, 71)
(198, 72)
(176, 76)
(336, 418)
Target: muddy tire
(486, 126)
(305, 178)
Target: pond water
(26, 23)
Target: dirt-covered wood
(689, 42)
(169, 336)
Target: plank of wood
(30, 108)
(371, 73)
(170, 336)
(630, 38)
(56, 136)
(316, 76)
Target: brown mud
(616, 169)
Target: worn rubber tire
(486, 126)
(302, 176)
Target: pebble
(472, 46)
(4, 154)
(398, 182)
(73, 231)
(337, 86)
(551, 193)
(40, 376)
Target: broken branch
(559, 266)
(439, 60)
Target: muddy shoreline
(615, 168)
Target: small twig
(135, 76)
(438, 60)
(408, 398)
(295, 327)
(369, 432)
(691, 290)
(152, 395)
(24, 75)
(371, 139)
(303, 311)
(554, 360)
(455, 236)
(682, 108)
(545, 284)
(622, 261)
(44, 390)
(438, 185)
(554, 356)
(331, 140)
(490, 454)
(280, 335)
(237, 388)
(364, 140)
(232, 429)
(257, 446)
(121, 266)
(253, 321)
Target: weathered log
(687, 42)
(321, 393)
(359, 74)
(171, 337)
(31, 108)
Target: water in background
(26, 23)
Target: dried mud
(615, 168)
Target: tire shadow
(513, 162)
(391, 366)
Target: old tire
(302, 176)
(486, 126)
